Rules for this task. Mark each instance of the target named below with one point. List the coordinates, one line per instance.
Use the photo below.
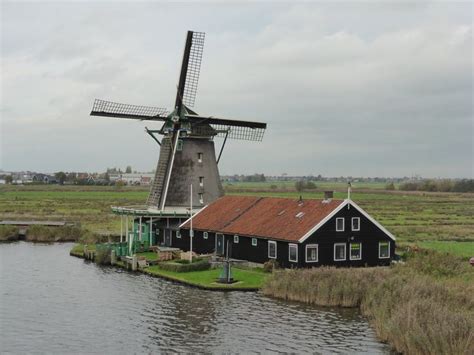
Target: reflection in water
(51, 302)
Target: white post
(191, 229)
(151, 234)
(121, 228)
(349, 194)
(140, 230)
(126, 229)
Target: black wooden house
(296, 233)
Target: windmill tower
(187, 152)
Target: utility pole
(191, 232)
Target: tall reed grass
(425, 306)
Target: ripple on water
(51, 302)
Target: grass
(149, 255)
(463, 249)
(425, 306)
(247, 279)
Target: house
(295, 233)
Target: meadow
(441, 221)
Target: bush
(182, 266)
(390, 186)
(270, 265)
(102, 256)
(8, 233)
(39, 233)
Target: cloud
(362, 89)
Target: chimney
(328, 195)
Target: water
(51, 302)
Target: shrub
(181, 266)
(39, 233)
(102, 256)
(390, 186)
(8, 233)
(270, 265)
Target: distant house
(295, 233)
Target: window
(236, 238)
(355, 251)
(355, 224)
(199, 157)
(272, 249)
(312, 253)
(339, 251)
(201, 198)
(340, 224)
(254, 242)
(179, 147)
(178, 234)
(384, 250)
(293, 253)
(201, 181)
(205, 235)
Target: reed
(425, 306)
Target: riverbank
(246, 279)
(424, 306)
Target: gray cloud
(347, 89)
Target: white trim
(236, 239)
(335, 211)
(345, 251)
(306, 253)
(205, 235)
(256, 242)
(276, 253)
(323, 221)
(360, 251)
(194, 216)
(358, 224)
(343, 224)
(385, 257)
(289, 253)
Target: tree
(128, 170)
(390, 186)
(8, 179)
(61, 177)
(299, 185)
(310, 185)
(107, 177)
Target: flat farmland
(432, 220)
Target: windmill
(187, 153)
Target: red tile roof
(267, 217)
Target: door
(219, 244)
(167, 237)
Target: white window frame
(289, 252)
(384, 257)
(358, 224)
(236, 239)
(311, 246)
(272, 242)
(254, 242)
(360, 250)
(201, 181)
(205, 235)
(343, 224)
(200, 155)
(201, 198)
(345, 251)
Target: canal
(51, 302)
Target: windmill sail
(118, 110)
(234, 129)
(190, 69)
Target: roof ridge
(240, 214)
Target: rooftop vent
(328, 195)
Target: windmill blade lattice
(115, 109)
(194, 68)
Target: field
(433, 220)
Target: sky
(346, 88)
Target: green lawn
(248, 279)
(149, 255)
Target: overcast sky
(359, 88)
